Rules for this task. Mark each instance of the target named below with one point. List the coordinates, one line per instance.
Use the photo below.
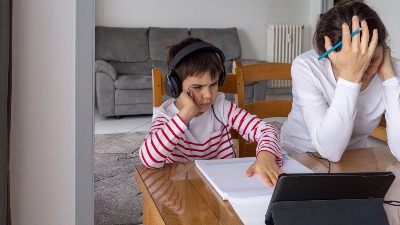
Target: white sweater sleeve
(391, 98)
(330, 126)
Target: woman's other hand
(385, 70)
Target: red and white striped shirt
(170, 140)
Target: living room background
(250, 17)
(44, 120)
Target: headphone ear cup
(167, 87)
(173, 88)
(222, 76)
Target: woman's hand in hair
(385, 70)
(356, 53)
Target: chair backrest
(233, 84)
(158, 87)
(267, 108)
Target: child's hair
(196, 63)
(330, 23)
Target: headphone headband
(186, 51)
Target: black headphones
(173, 84)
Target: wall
(388, 10)
(42, 160)
(250, 17)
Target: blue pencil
(337, 45)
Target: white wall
(42, 160)
(388, 12)
(250, 17)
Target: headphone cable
(317, 157)
(233, 149)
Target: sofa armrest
(105, 67)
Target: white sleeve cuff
(391, 82)
(348, 84)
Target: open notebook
(249, 196)
(228, 176)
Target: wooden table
(179, 194)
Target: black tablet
(329, 186)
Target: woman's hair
(196, 63)
(330, 23)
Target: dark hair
(330, 23)
(197, 63)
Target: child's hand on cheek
(186, 106)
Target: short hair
(197, 63)
(330, 23)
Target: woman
(339, 100)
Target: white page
(228, 176)
(251, 210)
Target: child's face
(204, 90)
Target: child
(195, 124)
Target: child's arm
(269, 155)
(165, 134)
(254, 129)
(161, 141)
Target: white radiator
(284, 43)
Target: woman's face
(374, 65)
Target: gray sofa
(125, 57)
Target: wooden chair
(263, 109)
(380, 131)
(158, 87)
(233, 84)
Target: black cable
(233, 149)
(329, 162)
(393, 203)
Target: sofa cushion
(162, 65)
(126, 97)
(226, 39)
(142, 68)
(133, 82)
(160, 38)
(122, 44)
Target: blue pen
(188, 92)
(338, 44)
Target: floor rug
(117, 199)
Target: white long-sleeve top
(170, 140)
(329, 116)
